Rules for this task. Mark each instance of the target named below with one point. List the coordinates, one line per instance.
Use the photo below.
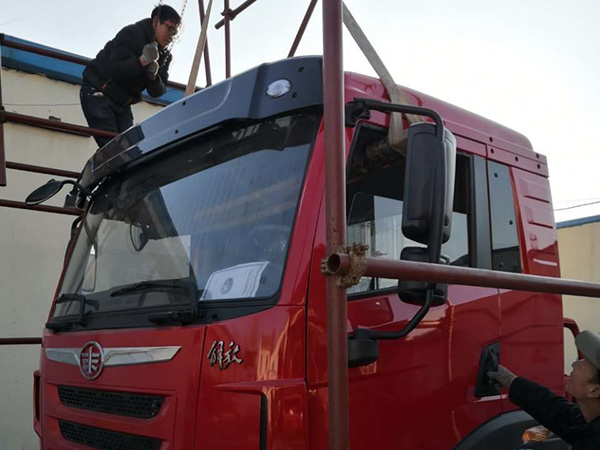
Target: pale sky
(531, 65)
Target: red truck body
(259, 380)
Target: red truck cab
(191, 310)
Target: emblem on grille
(91, 360)
(218, 355)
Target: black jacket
(556, 413)
(117, 70)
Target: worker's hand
(152, 70)
(149, 53)
(503, 377)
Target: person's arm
(157, 86)
(549, 409)
(124, 61)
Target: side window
(375, 188)
(506, 255)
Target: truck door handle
(489, 360)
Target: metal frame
(39, 122)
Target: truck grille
(110, 402)
(105, 439)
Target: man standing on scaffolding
(137, 59)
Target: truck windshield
(217, 211)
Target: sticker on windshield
(241, 281)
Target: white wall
(579, 250)
(32, 244)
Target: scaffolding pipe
(49, 209)
(55, 125)
(227, 13)
(21, 341)
(41, 169)
(233, 13)
(2, 153)
(302, 28)
(335, 193)
(339, 264)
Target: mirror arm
(356, 110)
(85, 191)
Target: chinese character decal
(218, 355)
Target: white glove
(503, 376)
(150, 53)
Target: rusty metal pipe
(2, 153)
(339, 263)
(21, 341)
(335, 193)
(50, 209)
(302, 28)
(41, 169)
(227, 13)
(54, 125)
(234, 12)
(3, 179)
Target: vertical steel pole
(227, 41)
(2, 154)
(206, 55)
(333, 89)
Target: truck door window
(506, 255)
(375, 188)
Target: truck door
(524, 241)
(429, 377)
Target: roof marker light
(279, 88)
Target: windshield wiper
(188, 284)
(63, 298)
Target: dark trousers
(104, 114)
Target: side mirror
(50, 189)
(429, 151)
(43, 193)
(414, 292)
